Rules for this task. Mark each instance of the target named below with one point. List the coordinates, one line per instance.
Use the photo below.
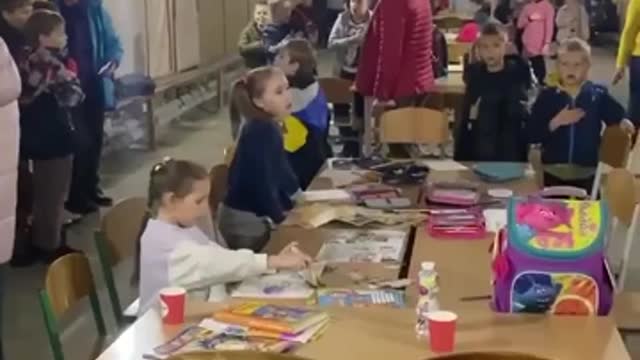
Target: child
(251, 44)
(566, 120)
(175, 252)
(301, 21)
(307, 130)
(14, 15)
(537, 21)
(262, 186)
(346, 37)
(49, 91)
(279, 32)
(495, 102)
(572, 21)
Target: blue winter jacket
(578, 143)
(105, 43)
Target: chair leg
(51, 325)
(107, 272)
(97, 313)
(631, 233)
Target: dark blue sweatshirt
(260, 178)
(578, 143)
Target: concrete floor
(125, 174)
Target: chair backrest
(622, 196)
(414, 126)
(337, 91)
(68, 280)
(451, 22)
(121, 227)
(615, 147)
(456, 52)
(219, 175)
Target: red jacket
(397, 52)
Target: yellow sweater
(630, 40)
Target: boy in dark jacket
(566, 119)
(495, 103)
(49, 90)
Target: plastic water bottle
(427, 296)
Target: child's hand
(289, 261)
(566, 117)
(627, 126)
(546, 50)
(618, 75)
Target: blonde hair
(575, 45)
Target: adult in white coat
(9, 134)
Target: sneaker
(48, 257)
(82, 209)
(102, 200)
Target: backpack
(550, 258)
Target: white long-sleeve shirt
(186, 257)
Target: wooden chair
(337, 91)
(420, 126)
(68, 280)
(219, 175)
(456, 52)
(614, 153)
(450, 23)
(116, 241)
(622, 196)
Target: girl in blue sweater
(262, 186)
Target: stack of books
(254, 326)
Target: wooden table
(378, 333)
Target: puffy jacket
(9, 141)
(397, 52)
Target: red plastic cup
(442, 331)
(172, 302)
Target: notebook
(268, 317)
(500, 171)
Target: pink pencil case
(460, 225)
(456, 194)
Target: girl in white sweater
(175, 252)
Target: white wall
(129, 21)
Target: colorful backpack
(550, 258)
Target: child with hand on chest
(567, 118)
(174, 252)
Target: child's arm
(9, 77)
(523, 19)
(585, 28)
(537, 127)
(340, 37)
(628, 38)
(549, 27)
(562, 17)
(613, 113)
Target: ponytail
(252, 86)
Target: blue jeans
(634, 90)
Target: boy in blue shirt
(567, 119)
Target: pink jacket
(537, 19)
(9, 142)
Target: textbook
(268, 317)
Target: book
(360, 298)
(198, 338)
(303, 337)
(268, 317)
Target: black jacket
(14, 38)
(494, 113)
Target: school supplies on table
(319, 214)
(550, 258)
(284, 285)
(364, 192)
(268, 317)
(197, 338)
(444, 165)
(369, 246)
(453, 193)
(303, 337)
(360, 298)
(468, 223)
(498, 172)
(326, 195)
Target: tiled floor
(125, 174)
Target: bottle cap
(428, 266)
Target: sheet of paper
(455, 67)
(285, 285)
(495, 219)
(326, 195)
(342, 178)
(444, 165)
(369, 246)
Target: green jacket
(252, 47)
